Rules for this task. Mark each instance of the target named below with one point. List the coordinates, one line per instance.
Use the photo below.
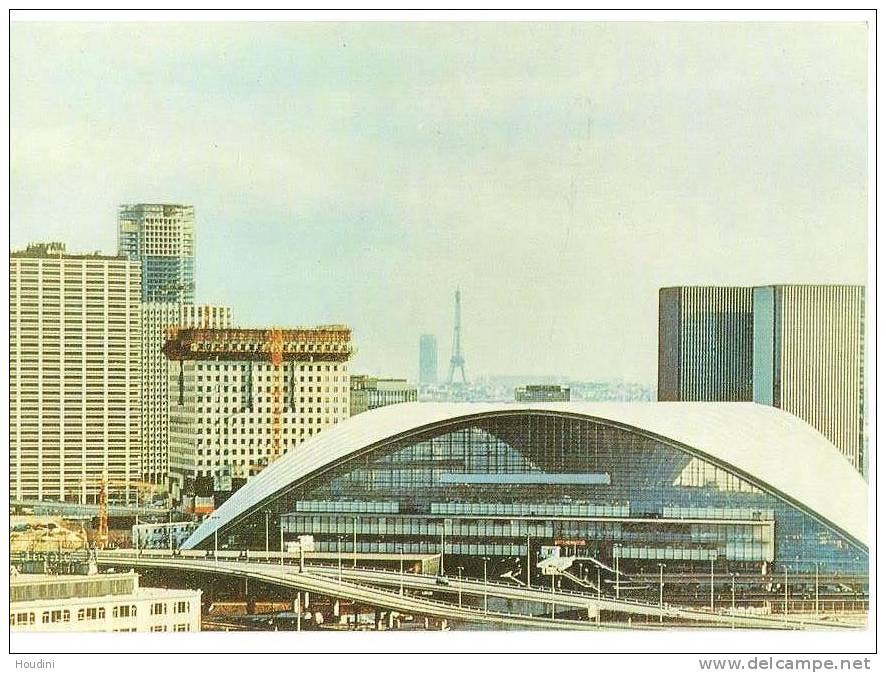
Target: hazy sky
(356, 173)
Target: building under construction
(240, 398)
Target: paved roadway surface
(572, 599)
(365, 586)
(290, 576)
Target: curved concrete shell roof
(772, 449)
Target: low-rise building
(103, 602)
(541, 393)
(368, 393)
(162, 535)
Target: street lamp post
(712, 584)
(485, 587)
(298, 613)
(281, 542)
(733, 600)
(616, 550)
(355, 542)
(816, 588)
(599, 587)
(339, 558)
(661, 567)
(442, 544)
(267, 532)
(401, 568)
(460, 568)
(552, 595)
(528, 565)
(215, 537)
(785, 593)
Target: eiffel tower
(458, 359)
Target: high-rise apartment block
(427, 356)
(158, 318)
(368, 392)
(796, 347)
(161, 237)
(240, 398)
(75, 372)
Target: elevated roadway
(366, 586)
(290, 576)
(573, 599)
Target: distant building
(162, 535)
(161, 238)
(157, 318)
(371, 393)
(240, 398)
(105, 602)
(796, 347)
(75, 372)
(541, 393)
(427, 356)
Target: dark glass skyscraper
(705, 344)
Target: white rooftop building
(103, 602)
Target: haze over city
(357, 173)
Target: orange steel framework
(330, 343)
(275, 347)
(102, 536)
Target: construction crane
(102, 536)
(275, 350)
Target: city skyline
(328, 179)
(329, 327)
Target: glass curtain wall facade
(490, 486)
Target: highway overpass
(374, 587)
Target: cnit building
(727, 487)
(795, 347)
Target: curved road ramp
(388, 589)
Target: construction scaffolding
(328, 343)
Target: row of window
(379, 506)
(304, 367)
(422, 547)
(178, 627)
(210, 428)
(527, 509)
(213, 423)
